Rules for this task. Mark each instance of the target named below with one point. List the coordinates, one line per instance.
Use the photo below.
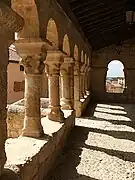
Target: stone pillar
(86, 81)
(10, 22)
(82, 82)
(77, 87)
(53, 63)
(88, 89)
(33, 56)
(3, 98)
(67, 80)
(44, 91)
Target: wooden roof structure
(103, 21)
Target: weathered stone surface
(34, 158)
(101, 146)
(15, 119)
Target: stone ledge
(81, 105)
(32, 159)
(15, 118)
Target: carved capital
(52, 69)
(33, 54)
(68, 66)
(68, 60)
(34, 64)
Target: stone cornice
(9, 19)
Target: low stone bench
(15, 116)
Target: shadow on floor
(128, 109)
(67, 164)
(65, 167)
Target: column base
(56, 115)
(87, 93)
(66, 104)
(30, 133)
(82, 96)
(32, 127)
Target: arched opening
(66, 46)
(115, 78)
(52, 33)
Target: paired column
(34, 67)
(77, 86)
(67, 82)
(53, 64)
(88, 81)
(82, 81)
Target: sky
(115, 69)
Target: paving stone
(101, 146)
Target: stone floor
(101, 146)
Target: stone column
(33, 56)
(67, 80)
(44, 91)
(53, 63)
(88, 81)
(82, 82)
(77, 87)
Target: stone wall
(32, 159)
(100, 61)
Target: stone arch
(115, 77)
(52, 33)
(28, 10)
(66, 45)
(76, 52)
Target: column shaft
(32, 121)
(33, 57)
(67, 80)
(53, 64)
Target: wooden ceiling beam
(106, 23)
(101, 15)
(95, 33)
(101, 11)
(104, 20)
(84, 4)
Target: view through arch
(115, 78)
